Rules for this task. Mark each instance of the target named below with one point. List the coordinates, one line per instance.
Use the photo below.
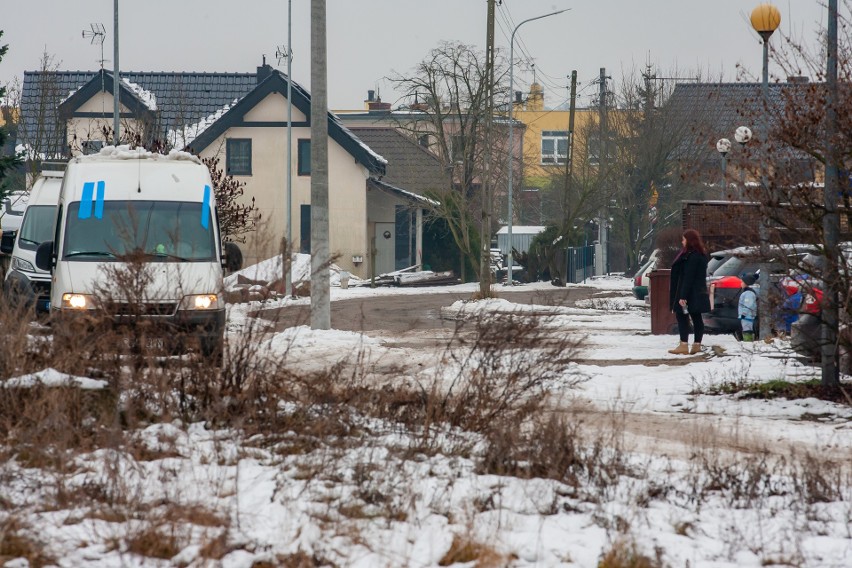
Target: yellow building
(546, 139)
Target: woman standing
(688, 296)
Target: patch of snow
(184, 136)
(52, 378)
(148, 98)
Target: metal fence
(581, 263)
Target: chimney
(371, 95)
(518, 99)
(263, 71)
(377, 104)
(535, 101)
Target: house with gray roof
(240, 119)
(708, 112)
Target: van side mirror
(7, 243)
(44, 256)
(232, 260)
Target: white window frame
(554, 157)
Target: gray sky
(369, 39)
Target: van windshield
(165, 230)
(37, 226)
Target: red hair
(694, 242)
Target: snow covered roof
(191, 109)
(522, 230)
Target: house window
(594, 149)
(92, 146)
(554, 146)
(304, 161)
(239, 156)
(305, 229)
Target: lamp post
(288, 249)
(742, 135)
(765, 19)
(723, 146)
(510, 276)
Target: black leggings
(683, 325)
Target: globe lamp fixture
(765, 19)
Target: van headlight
(77, 302)
(19, 263)
(200, 302)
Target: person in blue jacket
(688, 297)
(747, 306)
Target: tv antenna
(283, 54)
(98, 34)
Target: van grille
(146, 309)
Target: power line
(548, 82)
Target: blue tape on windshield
(205, 208)
(86, 200)
(99, 202)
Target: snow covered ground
(678, 475)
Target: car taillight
(638, 280)
(811, 303)
(728, 282)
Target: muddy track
(394, 314)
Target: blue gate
(581, 263)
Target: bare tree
(796, 152)
(447, 94)
(42, 134)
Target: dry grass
(625, 553)
(486, 400)
(465, 550)
(17, 541)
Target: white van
(124, 210)
(26, 285)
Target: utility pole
(485, 231)
(320, 259)
(831, 222)
(569, 158)
(602, 157)
(116, 80)
(569, 163)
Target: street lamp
(723, 146)
(510, 278)
(765, 19)
(742, 135)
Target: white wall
(267, 184)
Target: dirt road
(413, 312)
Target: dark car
(725, 285)
(717, 258)
(805, 332)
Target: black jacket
(689, 282)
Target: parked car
(725, 284)
(717, 258)
(641, 280)
(25, 284)
(805, 332)
(12, 209)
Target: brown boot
(696, 348)
(682, 349)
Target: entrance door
(385, 248)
